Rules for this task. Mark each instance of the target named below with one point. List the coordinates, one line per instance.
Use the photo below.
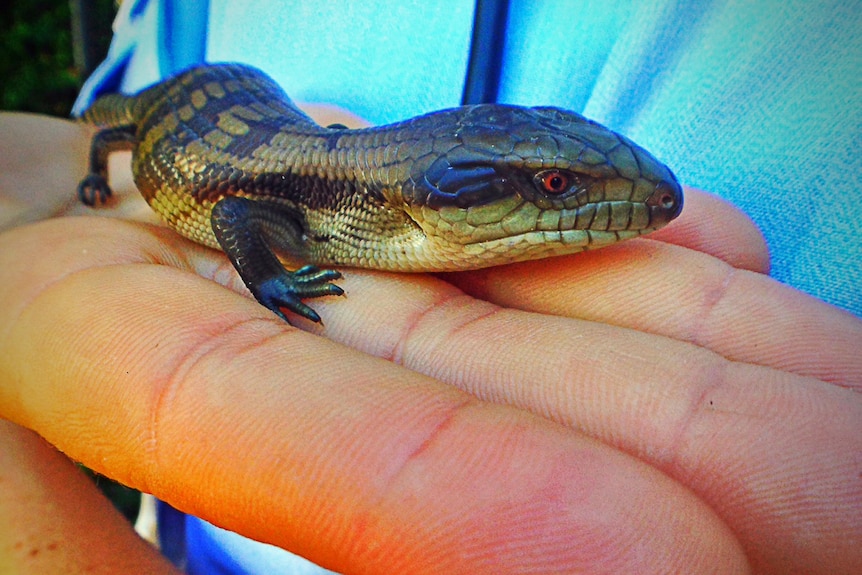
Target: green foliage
(37, 68)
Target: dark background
(48, 48)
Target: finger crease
(165, 391)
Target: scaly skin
(224, 156)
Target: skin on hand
(647, 407)
(54, 520)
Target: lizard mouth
(515, 218)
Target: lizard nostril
(668, 198)
(667, 201)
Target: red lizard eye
(554, 181)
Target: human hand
(647, 407)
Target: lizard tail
(111, 111)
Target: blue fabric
(183, 34)
(213, 550)
(381, 63)
(172, 533)
(152, 40)
(760, 103)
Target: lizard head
(504, 183)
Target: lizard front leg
(248, 231)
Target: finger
(327, 114)
(174, 385)
(774, 453)
(38, 156)
(671, 291)
(42, 159)
(54, 520)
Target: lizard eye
(553, 181)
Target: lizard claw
(93, 190)
(287, 290)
